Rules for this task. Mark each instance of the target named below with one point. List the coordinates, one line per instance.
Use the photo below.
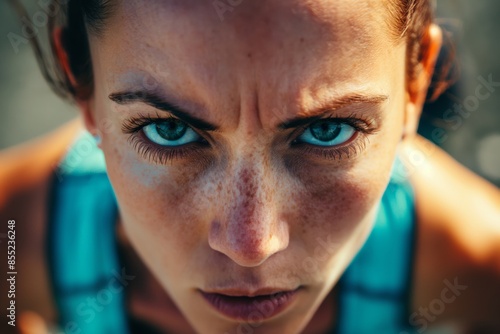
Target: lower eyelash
(150, 151)
(347, 150)
(355, 145)
(161, 154)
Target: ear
(84, 105)
(417, 88)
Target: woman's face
(291, 114)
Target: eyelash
(151, 151)
(163, 155)
(363, 128)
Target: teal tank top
(89, 282)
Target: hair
(408, 19)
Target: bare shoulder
(34, 160)
(24, 185)
(457, 267)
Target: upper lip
(241, 292)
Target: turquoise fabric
(374, 295)
(87, 280)
(89, 283)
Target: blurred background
(28, 108)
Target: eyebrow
(339, 103)
(159, 103)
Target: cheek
(334, 204)
(338, 203)
(335, 198)
(153, 200)
(332, 217)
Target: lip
(251, 306)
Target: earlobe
(412, 116)
(418, 87)
(88, 118)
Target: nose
(250, 230)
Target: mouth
(251, 307)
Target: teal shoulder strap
(89, 283)
(375, 287)
(87, 280)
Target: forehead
(206, 51)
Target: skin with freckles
(249, 150)
(244, 206)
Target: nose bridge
(250, 230)
(248, 208)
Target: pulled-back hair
(408, 20)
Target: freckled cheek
(334, 205)
(151, 198)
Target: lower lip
(251, 309)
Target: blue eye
(170, 132)
(327, 133)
